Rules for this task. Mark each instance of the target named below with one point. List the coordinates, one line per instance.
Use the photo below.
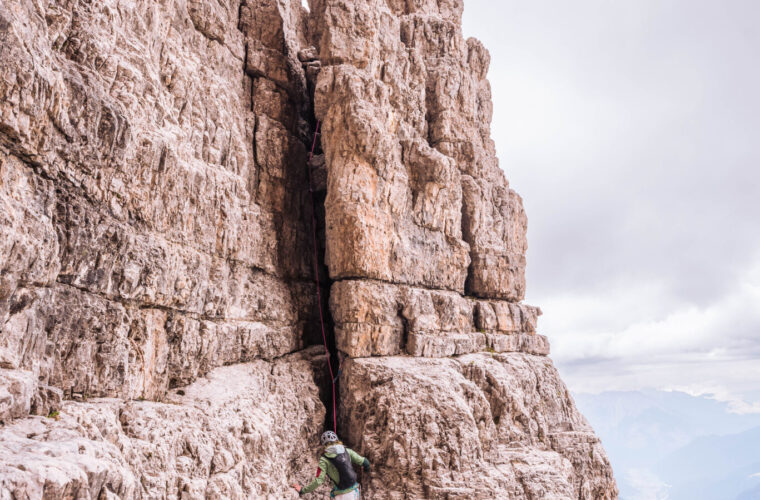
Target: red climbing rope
(316, 277)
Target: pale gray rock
(438, 346)
(17, 390)
(478, 426)
(244, 431)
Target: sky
(631, 128)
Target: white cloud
(639, 337)
(590, 326)
(645, 485)
(736, 403)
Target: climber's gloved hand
(365, 465)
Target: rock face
(239, 433)
(476, 426)
(153, 229)
(152, 223)
(426, 243)
(415, 194)
(157, 291)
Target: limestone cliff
(159, 319)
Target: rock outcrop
(475, 426)
(153, 229)
(426, 244)
(157, 291)
(241, 432)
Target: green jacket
(327, 469)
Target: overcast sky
(632, 130)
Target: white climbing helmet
(328, 437)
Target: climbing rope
(316, 276)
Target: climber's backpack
(342, 462)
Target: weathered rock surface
(241, 432)
(426, 243)
(478, 426)
(153, 228)
(153, 221)
(415, 194)
(379, 319)
(156, 262)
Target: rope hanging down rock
(316, 276)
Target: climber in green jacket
(336, 463)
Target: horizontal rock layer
(379, 319)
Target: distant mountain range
(673, 446)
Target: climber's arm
(357, 459)
(317, 481)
